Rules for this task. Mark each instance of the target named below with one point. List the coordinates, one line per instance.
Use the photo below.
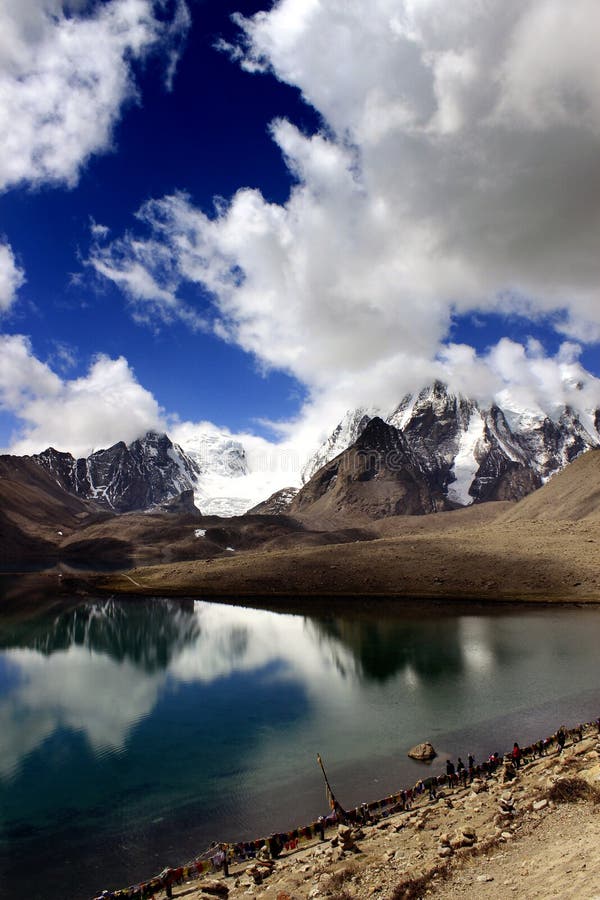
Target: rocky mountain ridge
(463, 451)
(459, 453)
(123, 478)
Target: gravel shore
(535, 834)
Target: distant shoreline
(495, 561)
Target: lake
(134, 733)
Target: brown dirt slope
(501, 564)
(572, 494)
(31, 499)
(35, 513)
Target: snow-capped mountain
(232, 480)
(470, 453)
(153, 470)
(465, 452)
(147, 472)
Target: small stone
(445, 852)
(540, 804)
(483, 878)
(214, 887)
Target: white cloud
(455, 173)
(511, 372)
(65, 73)
(79, 415)
(11, 277)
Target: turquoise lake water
(132, 734)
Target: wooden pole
(333, 803)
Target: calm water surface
(134, 734)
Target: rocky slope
(277, 503)
(464, 453)
(533, 835)
(379, 475)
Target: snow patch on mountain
(466, 463)
(233, 478)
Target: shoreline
(386, 818)
(54, 591)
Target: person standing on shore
(560, 739)
(516, 755)
(471, 766)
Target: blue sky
(207, 136)
(405, 195)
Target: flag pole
(333, 803)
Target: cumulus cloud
(80, 415)
(455, 173)
(66, 71)
(11, 277)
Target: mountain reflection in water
(148, 635)
(134, 733)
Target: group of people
(461, 774)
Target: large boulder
(423, 752)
